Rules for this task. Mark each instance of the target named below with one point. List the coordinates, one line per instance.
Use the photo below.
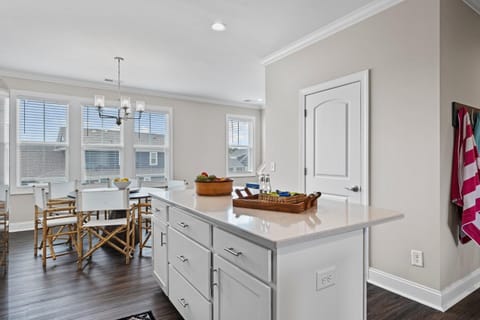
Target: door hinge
(305, 171)
(305, 113)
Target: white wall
(199, 135)
(460, 82)
(401, 48)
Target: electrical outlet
(147, 178)
(326, 278)
(273, 166)
(416, 257)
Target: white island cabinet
(215, 261)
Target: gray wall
(400, 46)
(460, 81)
(199, 129)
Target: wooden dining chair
(58, 193)
(112, 230)
(56, 223)
(4, 228)
(144, 222)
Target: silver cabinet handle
(233, 251)
(353, 188)
(183, 225)
(183, 302)
(162, 243)
(157, 210)
(182, 258)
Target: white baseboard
(436, 299)
(20, 226)
(460, 289)
(406, 288)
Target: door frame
(364, 78)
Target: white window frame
(99, 146)
(39, 97)
(166, 148)
(251, 146)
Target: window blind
(101, 164)
(96, 130)
(151, 129)
(239, 132)
(42, 141)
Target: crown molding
(473, 4)
(131, 90)
(330, 29)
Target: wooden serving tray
(251, 201)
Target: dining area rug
(141, 316)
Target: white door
(237, 295)
(159, 248)
(336, 141)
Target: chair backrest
(4, 196)
(57, 190)
(40, 198)
(102, 200)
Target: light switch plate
(273, 166)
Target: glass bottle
(268, 186)
(261, 183)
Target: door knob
(353, 188)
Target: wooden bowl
(214, 188)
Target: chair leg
(35, 238)
(89, 243)
(140, 233)
(44, 246)
(79, 247)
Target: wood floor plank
(107, 289)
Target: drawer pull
(162, 243)
(157, 210)
(183, 302)
(233, 251)
(182, 258)
(183, 225)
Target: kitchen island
(216, 261)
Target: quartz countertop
(278, 229)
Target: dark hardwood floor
(108, 289)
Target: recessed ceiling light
(252, 100)
(218, 26)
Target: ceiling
(168, 45)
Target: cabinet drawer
(190, 304)
(190, 226)
(191, 260)
(159, 208)
(245, 254)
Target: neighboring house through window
(42, 141)
(240, 132)
(151, 144)
(102, 145)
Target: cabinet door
(159, 247)
(238, 295)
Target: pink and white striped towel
(465, 190)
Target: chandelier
(125, 109)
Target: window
(151, 144)
(102, 145)
(240, 145)
(42, 141)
